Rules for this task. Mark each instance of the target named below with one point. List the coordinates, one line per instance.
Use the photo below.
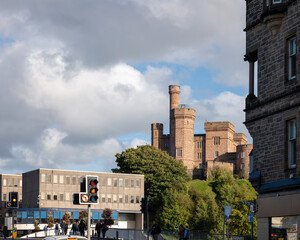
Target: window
(216, 154)
(126, 198)
(67, 196)
(42, 195)
(137, 199)
(138, 183)
(61, 179)
(114, 198)
(115, 182)
(4, 182)
(199, 145)
(199, 155)
(166, 145)
(242, 155)
(292, 58)
(48, 196)
(267, 3)
(120, 182)
(292, 143)
(131, 199)
(49, 178)
(54, 197)
(74, 180)
(126, 182)
(216, 140)
(179, 152)
(61, 197)
(68, 180)
(200, 166)
(109, 198)
(108, 181)
(120, 198)
(132, 183)
(4, 197)
(55, 180)
(43, 177)
(20, 182)
(102, 197)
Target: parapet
(218, 126)
(174, 89)
(157, 126)
(240, 137)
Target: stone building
(273, 114)
(49, 192)
(219, 147)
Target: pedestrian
(155, 230)
(56, 229)
(45, 230)
(5, 232)
(66, 228)
(82, 228)
(62, 227)
(181, 231)
(99, 226)
(104, 230)
(186, 233)
(75, 228)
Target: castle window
(216, 154)
(199, 145)
(179, 152)
(199, 155)
(166, 145)
(292, 58)
(242, 154)
(291, 125)
(216, 140)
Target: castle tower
(156, 134)
(242, 160)
(182, 121)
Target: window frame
(292, 57)
(292, 142)
(217, 140)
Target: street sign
(84, 198)
(227, 210)
(250, 217)
(227, 218)
(8, 204)
(14, 233)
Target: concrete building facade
(200, 153)
(49, 192)
(273, 114)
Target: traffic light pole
(147, 212)
(89, 222)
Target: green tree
(161, 170)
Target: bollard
(117, 234)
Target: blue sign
(250, 217)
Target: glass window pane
(44, 214)
(76, 215)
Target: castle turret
(156, 134)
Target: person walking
(5, 232)
(82, 228)
(45, 230)
(75, 228)
(99, 226)
(155, 230)
(66, 228)
(186, 233)
(104, 230)
(62, 227)
(181, 232)
(56, 229)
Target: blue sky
(84, 83)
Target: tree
(161, 170)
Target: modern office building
(273, 114)
(9, 183)
(49, 192)
(220, 146)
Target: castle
(200, 153)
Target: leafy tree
(161, 170)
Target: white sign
(227, 210)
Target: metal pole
(147, 212)
(228, 230)
(89, 222)
(224, 222)
(252, 230)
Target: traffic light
(91, 193)
(143, 205)
(13, 200)
(92, 189)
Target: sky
(84, 80)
